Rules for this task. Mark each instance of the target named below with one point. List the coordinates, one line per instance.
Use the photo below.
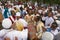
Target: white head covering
(30, 7)
(47, 36)
(20, 6)
(18, 14)
(6, 23)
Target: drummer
(6, 23)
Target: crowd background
(43, 19)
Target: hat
(30, 7)
(18, 14)
(19, 26)
(47, 36)
(20, 6)
(6, 23)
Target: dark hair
(55, 24)
(38, 18)
(13, 12)
(21, 8)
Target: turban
(6, 23)
(47, 36)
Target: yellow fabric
(39, 29)
(28, 18)
(19, 26)
(16, 10)
(39, 26)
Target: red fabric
(11, 20)
(31, 31)
(14, 17)
(33, 6)
(25, 28)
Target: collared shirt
(48, 20)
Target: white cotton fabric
(6, 23)
(23, 22)
(3, 32)
(18, 14)
(14, 34)
(48, 20)
(47, 36)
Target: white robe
(3, 32)
(54, 32)
(48, 20)
(25, 31)
(47, 36)
(14, 34)
(25, 34)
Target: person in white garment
(47, 36)
(48, 20)
(54, 27)
(16, 33)
(25, 25)
(25, 30)
(17, 28)
(11, 35)
(19, 33)
(57, 37)
(6, 24)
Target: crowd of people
(29, 21)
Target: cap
(6, 23)
(18, 14)
(47, 36)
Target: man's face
(30, 12)
(18, 17)
(53, 27)
(50, 14)
(13, 13)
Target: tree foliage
(40, 1)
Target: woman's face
(53, 27)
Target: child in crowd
(48, 20)
(54, 30)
